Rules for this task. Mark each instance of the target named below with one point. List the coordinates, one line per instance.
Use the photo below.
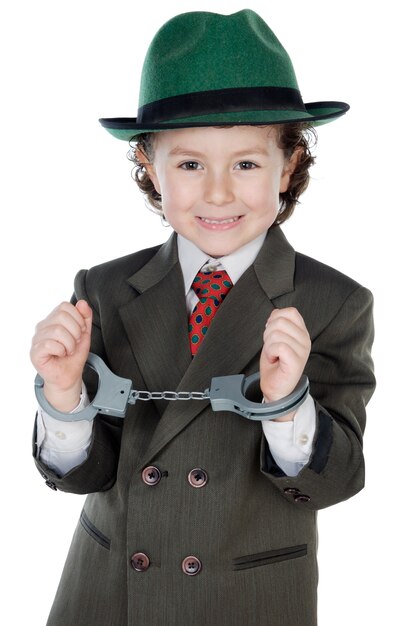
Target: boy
(195, 516)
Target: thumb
(86, 311)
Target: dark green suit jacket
(251, 529)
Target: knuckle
(280, 323)
(61, 315)
(294, 313)
(34, 346)
(47, 345)
(62, 310)
(54, 347)
(278, 346)
(55, 330)
(58, 308)
(277, 335)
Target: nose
(218, 189)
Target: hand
(59, 351)
(286, 349)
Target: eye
(250, 165)
(193, 165)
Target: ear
(289, 168)
(149, 167)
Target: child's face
(220, 186)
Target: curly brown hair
(299, 136)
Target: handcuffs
(226, 393)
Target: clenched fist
(59, 351)
(286, 349)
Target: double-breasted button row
(297, 495)
(191, 565)
(197, 477)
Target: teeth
(229, 221)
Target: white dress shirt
(63, 445)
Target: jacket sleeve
(341, 375)
(98, 471)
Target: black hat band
(221, 101)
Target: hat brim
(317, 113)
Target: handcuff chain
(226, 393)
(167, 395)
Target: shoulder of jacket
(319, 274)
(327, 290)
(102, 276)
(323, 292)
(123, 266)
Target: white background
(69, 203)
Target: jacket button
(191, 566)
(197, 478)
(140, 561)
(302, 497)
(151, 475)
(291, 490)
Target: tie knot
(213, 285)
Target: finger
(283, 326)
(43, 352)
(55, 333)
(80, 312)
(289, 352)
(51, 328)
(290, 313)
(67, 316)
(62, 312)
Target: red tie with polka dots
(211, 289)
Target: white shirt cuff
(290, 443)
(63, 445)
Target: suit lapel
(234, 338)
(156, 322)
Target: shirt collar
(192, 259)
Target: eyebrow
(179, 150)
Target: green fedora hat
(209, 69)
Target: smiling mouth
(228, 220)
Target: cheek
(176, 201)
(263, 195)
(168, 189)
(179, 191)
